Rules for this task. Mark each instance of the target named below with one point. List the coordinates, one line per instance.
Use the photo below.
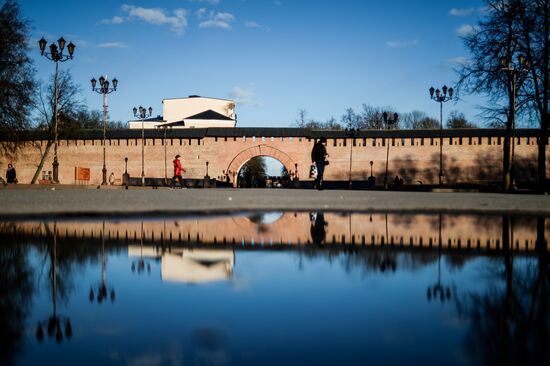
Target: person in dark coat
(11, 174)
(319, 156)
(177, 172)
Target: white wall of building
(177, 109)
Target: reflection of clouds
(167, 355)
(240, 284)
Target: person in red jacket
(177, 173)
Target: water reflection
(509, 324)
(100, 291)
(58, 326)
(442, 289)
(193, 266)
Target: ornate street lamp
(352, 133)
(512, 70)
(104, 88)
(441, 96)
(57, 56)
(388, 122)
(142, 114)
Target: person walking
(319, 156)
(177, 172)
(11, 174)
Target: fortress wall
(415, 159)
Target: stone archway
(260, 150)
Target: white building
(191, 112)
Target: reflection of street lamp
(102, 289)
(441, 98)
(142, 115)
(352, 132)
(54, 323)
(388, 122)
(140, 262)
(507, 65)
(57, 56)
(104, 89)
(438, 290)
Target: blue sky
(273, 57)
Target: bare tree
(495, 38)
(17, 85)
(458, 120)
(372, 118)
(70, 105)
(411, 120)
(302, 122)
(535, 45)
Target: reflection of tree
(16, 289)
(509, 323)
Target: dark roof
(172, 124)
(153, 119)
(263, 132)
(210, 114)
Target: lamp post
(351, 132)
(441, 97)
(57, 56)
(388, 122)
(104, 88)
(507, 65)
(142, 114)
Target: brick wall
(414, 157)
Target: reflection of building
(194, 266)
(192, 112)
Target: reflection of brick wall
(466, 159)
(293, 229)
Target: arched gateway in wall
(260, 150)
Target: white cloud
(243, 96)
(251, 24)
(218, 20)
(211, 2)
(465, 29)
(461, 12)
(112, 45)
(402, 44)
(200, 13)
(177, 20)
(113, 20)
(458, 61)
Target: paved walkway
(23, 201)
